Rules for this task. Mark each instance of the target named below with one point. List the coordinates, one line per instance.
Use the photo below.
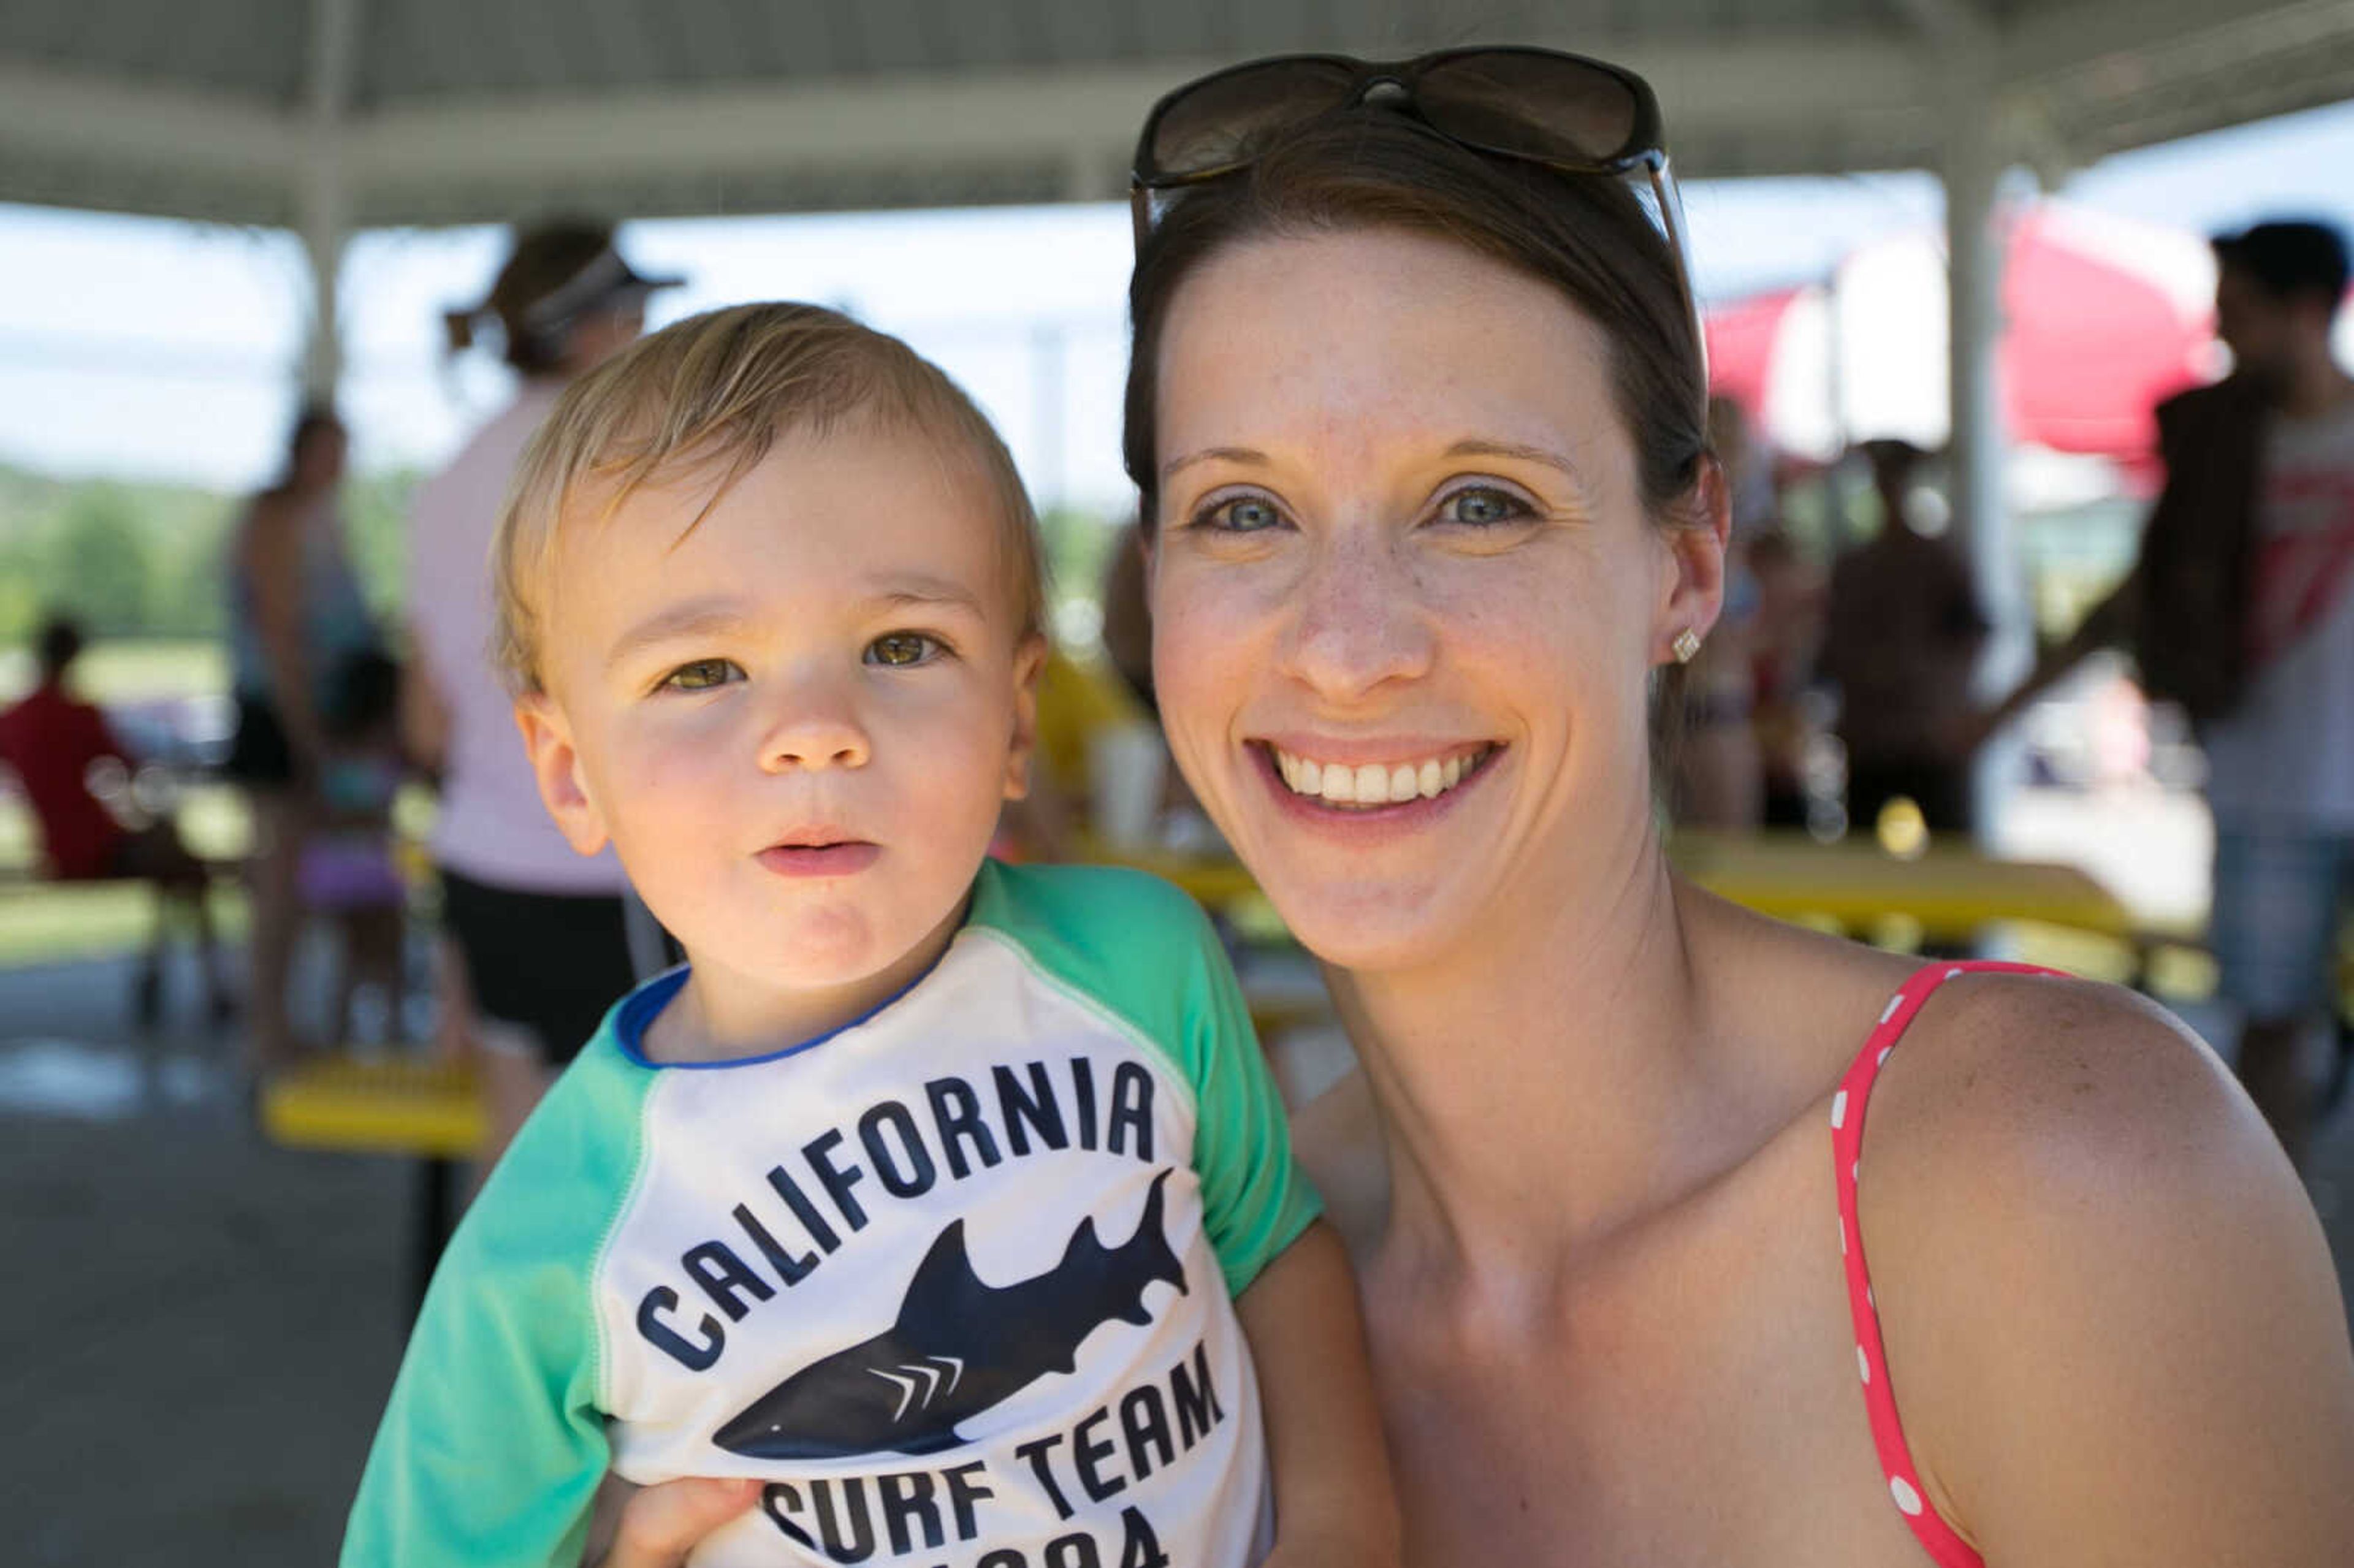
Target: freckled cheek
(1201, 663)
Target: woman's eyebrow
(1248, 456)
(1549, 458)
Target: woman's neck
(1539, 1088)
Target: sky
(137, 347)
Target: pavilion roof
(425, 112)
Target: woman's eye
(702, 675)
(901, 650)
(1480, 507)
(1242, 515)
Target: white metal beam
(1946, 20)
(2124, 36)
(978, 119)
(322, 192)
(82, 119)
(1789, 102)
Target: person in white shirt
(539, 941)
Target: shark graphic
(959, 1346)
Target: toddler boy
(949, 1201)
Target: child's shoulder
(569, 1170)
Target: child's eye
(701, 675)
(903, 650)
(1483, 506)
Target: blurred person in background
(51, 740)
(347, 872)
(1902, 634)
(2240, 609)
(1785, 634)
(539, 941)
(295, 612)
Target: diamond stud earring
(1686, 645)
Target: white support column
(1973, 175)
(322, 192)
(325, 225)
(1974, 162)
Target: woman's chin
(1364, 922)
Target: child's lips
(843, 857)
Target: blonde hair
(716, 391)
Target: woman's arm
(661, 1524)
(2110, 1312)
(1334, 1503)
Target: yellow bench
(1950, 893)
(379, 1105)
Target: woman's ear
(1695, 543)
(556, 765)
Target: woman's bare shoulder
(2079, 1231)
(2061, 1078)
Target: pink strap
(1938, 1537)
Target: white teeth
(1373, 783)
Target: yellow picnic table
(1950, 893)
(382, 1105)
(427, 1108)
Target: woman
(539, 939)
(295, 614)
(1418, 429)
(1417, 409)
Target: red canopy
(2097, 329)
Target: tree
(99, 563)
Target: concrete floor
(199, 1330)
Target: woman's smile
(1367, 786)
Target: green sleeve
(1256, 1200)
(494, 1442)
(1139, 947)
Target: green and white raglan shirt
(956, 1281)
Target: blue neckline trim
(640, 1007)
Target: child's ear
(1029, 660)
(555, 763)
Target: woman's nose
(1357, 620)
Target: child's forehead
(857, 500)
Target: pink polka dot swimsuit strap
(1946, 1548)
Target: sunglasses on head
(1561, 112)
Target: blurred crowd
(1840, 693)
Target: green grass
(46, 923)
(132, 670)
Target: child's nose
(814, 737)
